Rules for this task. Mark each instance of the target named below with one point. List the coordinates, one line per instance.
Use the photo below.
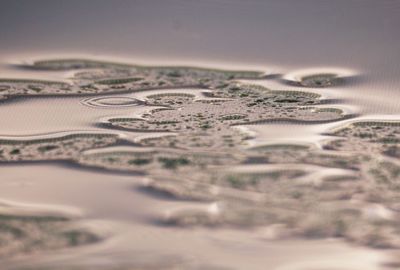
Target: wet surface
(161, 148)
(242, 156)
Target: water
(358, 40)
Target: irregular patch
(318, 78)
(207, 124)
(372, 137)
(58, 148)
(109, 77)
(23, 234)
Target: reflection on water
(219, 135)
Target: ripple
(111, 102)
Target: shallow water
(358, 41)
(118, 209)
